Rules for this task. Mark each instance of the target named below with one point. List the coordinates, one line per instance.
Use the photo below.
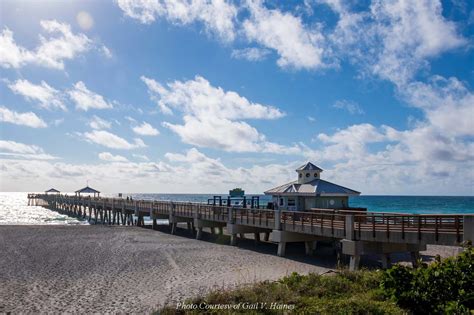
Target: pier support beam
(283, 237)
(358, 248)
(240, 230)
(256, 237)
(386, 261)
(266, 237)
(200, 224)
(199, 233)
(173, 227)
(309, 247)
(233, 239)
(415, 257)
(354, 262)
(281, 249)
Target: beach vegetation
(442, 287)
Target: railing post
(468, 228)
(350, 235)
(278, 220)
(230, 218)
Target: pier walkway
(359, 233)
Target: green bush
(341, 293)
(442, 287)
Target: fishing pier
(359, 233)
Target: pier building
(310, 191)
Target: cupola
(308, 172)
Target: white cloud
(212, 117)
(110, 140)
(109, 157)
(199, 98)
(54, 50)
(86, 99)
(217, 16)
(298, 46)
(351, 106)
(12, 55)
(447, 103)
(251, 54)
(141, 157)
(106, 51)
(394, 38)
(99, 123)
(145, 129)
(61, 45)
(28, 119)
(46, 96)
(17, 149)
(347, 143)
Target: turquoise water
(403, 204)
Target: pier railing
(355, 225)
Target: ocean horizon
(14, 208)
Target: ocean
(14, 208)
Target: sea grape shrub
(445, 286)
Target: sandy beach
(126, 269)
(134, 270)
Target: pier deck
(359, 233)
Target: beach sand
(78, 269)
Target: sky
(196, 96)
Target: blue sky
(203, 96)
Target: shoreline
(96, 268)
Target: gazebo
(310, 191)
(52, 190)
(88, 190)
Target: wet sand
(77, 269)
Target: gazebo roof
(87, 190)
(317, 187)
(52, 190)
(309, 167)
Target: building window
(301, 175)
(307, 174)
(291, 202)
(282, 202)
(315, 174)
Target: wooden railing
(326, 222)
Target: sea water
(14, 207)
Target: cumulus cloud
(170, 176)
(297, 45)
(28, 119)
(393, 39)
(109, 157)
(99, 123)
(199, 98)
(12, 55)
(110, 140)
(29, 151)
(86, 99)
(46, 96)
(213, 117)
(57, 46)
(217, 16)
(145, 129)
